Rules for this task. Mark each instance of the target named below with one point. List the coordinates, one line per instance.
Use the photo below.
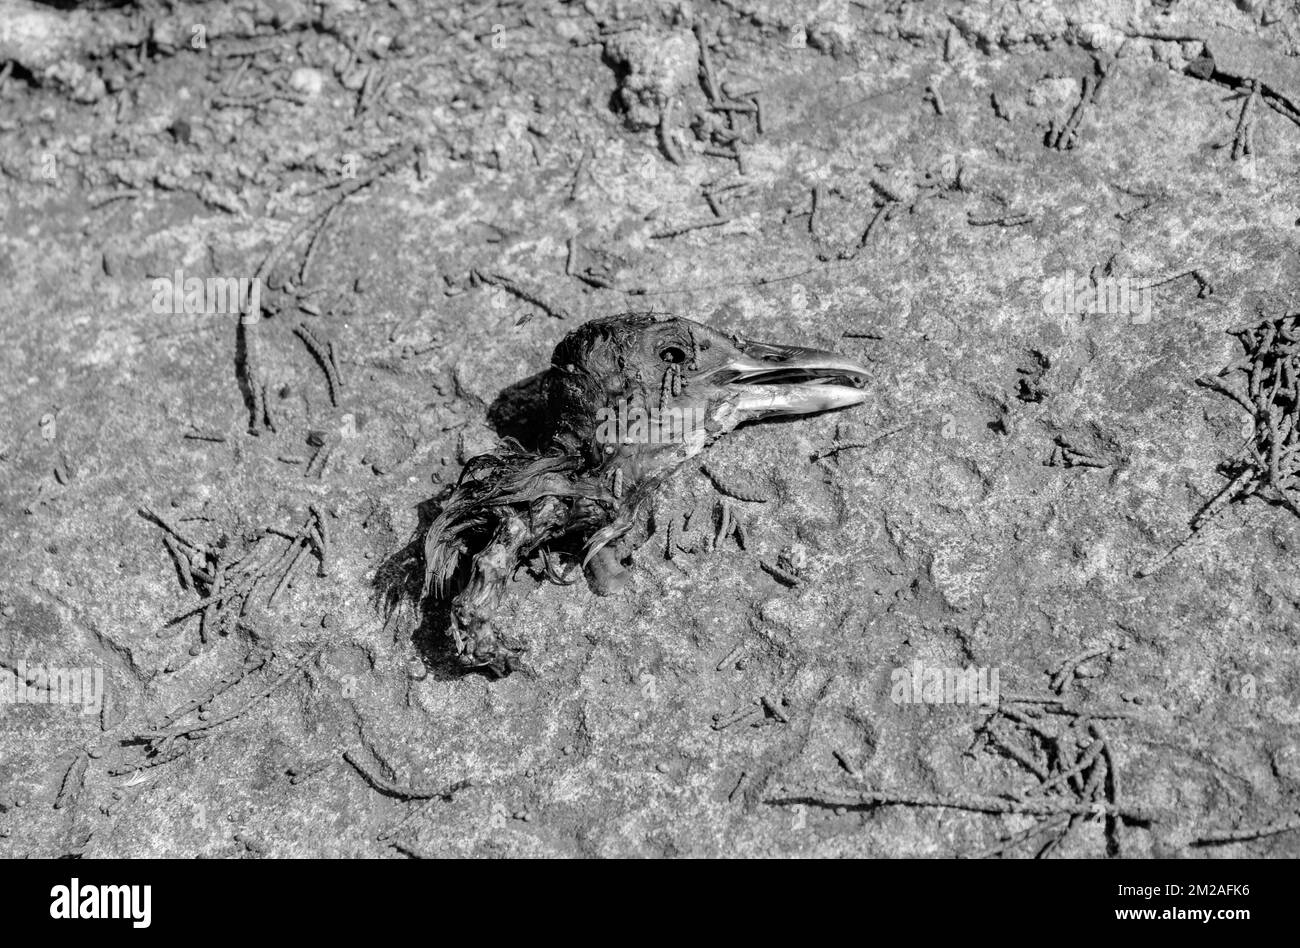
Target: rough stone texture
(952, 542)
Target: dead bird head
(642, 393)
(629, 399)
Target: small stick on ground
(1004, 743)
(416, 812)
(742, 533)
(1224, 389)
(149, 514)
(321, 352)
(1079, 768)
(706, 65)
(935, 98)
(1243, 136)
(1066, 136)
(212, 693)
(730, 657)
(688, 228)
(250, 365)
(297, 550)
(1001, 220)
(726, 524)
(780, 575)
(1199, 524)
(182, 563)
(1220, 837)
(514, 289)
(390, 789)
(583, 160)
(884, 212)
(73, 782)
(1268, 463)
(164, 758)
(817, 201)
(1038, 829)
(323, 538)
(1064, 674)
(321, 456)
(740, 782)
(723, 721)
(1204, 287)
(332, 350)
(197, 435)
(774, 709)
(208, 618)
(853, 445)
(1114, 826)
(845, 763)
(160, 736)
(309, 257)
(975, 803)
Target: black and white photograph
(679, 429)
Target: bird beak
(765, 380)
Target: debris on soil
(228, 585)
(406, 188)
(1266, 384)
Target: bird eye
(675, 355)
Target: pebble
(662, 768)
(307, 80)
(1286, 763)
(567, 750)
(8, 612)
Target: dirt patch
(1039, 229)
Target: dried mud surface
(1040, 462)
